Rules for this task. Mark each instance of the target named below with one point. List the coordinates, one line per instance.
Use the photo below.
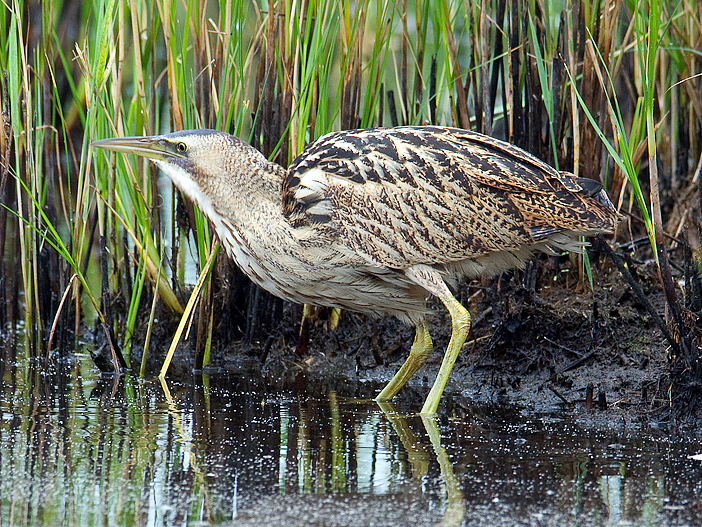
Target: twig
(58, 313)
(558, 395)
(638, 291)
(566, 348)
(577, 362)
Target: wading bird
(374, 220)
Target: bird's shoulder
(430, 160)
(428, 195)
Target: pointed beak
(153, 147)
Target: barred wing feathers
(433, 195)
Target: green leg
(419, 353)
(460, 325)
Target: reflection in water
(78, 450)
(419, 460)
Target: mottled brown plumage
(373, 220)
(439, 196)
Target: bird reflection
(418, 457)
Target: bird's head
(208, 166)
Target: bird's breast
(319, 272)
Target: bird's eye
(182, 147)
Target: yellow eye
(182, 148)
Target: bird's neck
(266, 181)
(260, 187)
(250, 219)
(252, 228)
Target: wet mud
(535, 342)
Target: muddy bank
(536, 342)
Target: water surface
(228, 449)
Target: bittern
(374, 220)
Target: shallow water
(77, 450)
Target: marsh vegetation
(94, 251)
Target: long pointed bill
(152, 147)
